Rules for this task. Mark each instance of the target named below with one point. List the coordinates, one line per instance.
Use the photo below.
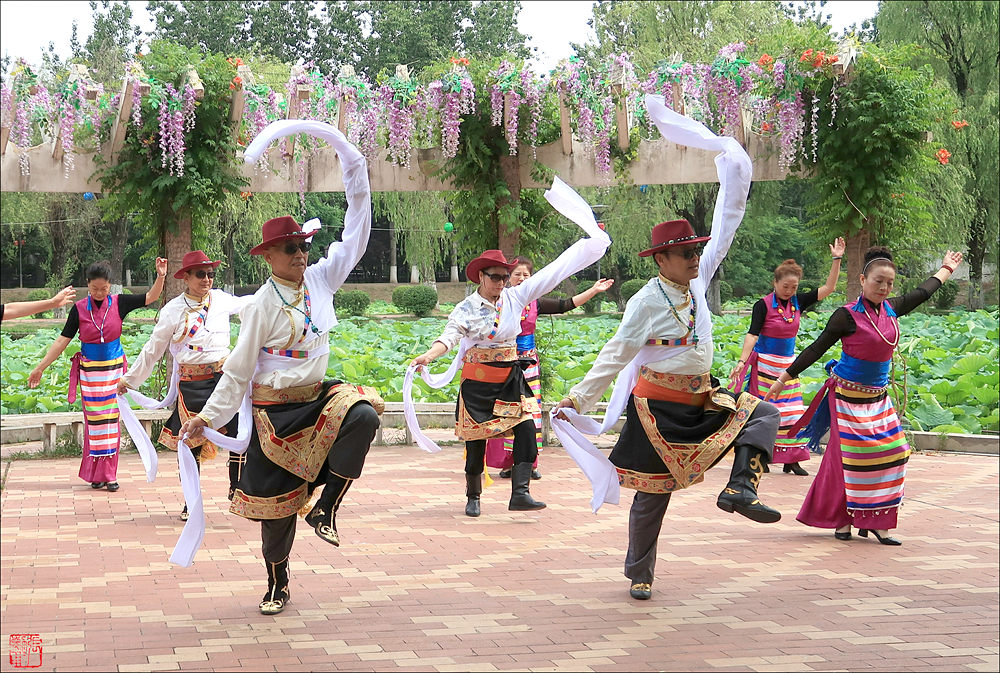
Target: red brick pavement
(418, 586)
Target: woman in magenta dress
(769, 347)
(98, 366)
(500, 452)
(860, 480)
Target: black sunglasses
(690, 253)
(292, 248)
(497, 277)
(201, 273)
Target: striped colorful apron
(861, 478)
(97, 368)
(773, 353)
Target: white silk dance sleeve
(326, 276)
(580, 255)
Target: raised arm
(837, 254)
(157, 288)
(734, 170)
(578, 256)
(903, 304)
(341, 257)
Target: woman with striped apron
(98, 367)
(500, 452)
(769, 347)
(860, 480)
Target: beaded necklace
(791, 309)
(308, 323)
(691, 317)
(878, 331)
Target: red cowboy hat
(195, 259)
(279, 229)
(484, 261)
(674, 232)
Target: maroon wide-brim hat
(484, 261)
(196, 259)
(668, 234)
(279, 229)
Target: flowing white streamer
(512, 301)
(735, 170)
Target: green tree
(960, 41)
(866, 184)
(113, 42)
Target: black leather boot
(323, 516)
(473, 489)
(795, 468)
(277, 588)
(740, 495)
(520, 498)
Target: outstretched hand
(65, 296)
(604, 284)
(838, 247)
(161, 266)
(952, 259)
(774, 391)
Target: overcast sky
(27, 27)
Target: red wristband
(950, 270)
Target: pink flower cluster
(171, 118)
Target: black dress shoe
(843, 536)
(113, 486)
(891, 541)
(184, 513)
(641, 591)
(504, 474)
(98, 484)
(536, 475)
(795, 468)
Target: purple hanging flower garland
(452, 96)
(397, 98)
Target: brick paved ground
(419, 586)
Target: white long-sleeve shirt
(210, 342)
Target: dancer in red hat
(98, 366)
(306, 431)
(194, 327)
(678, 421)
(495, 399)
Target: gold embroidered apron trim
(264, 395)
(169, 439)
(687, 463)
(501, 425)
(277, 507)
(304, 452)
(501, 354)
(687, 383)
(200, 372)
(647, 483)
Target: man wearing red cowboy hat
(679, 421)
(194, 327)
(307, 432)
(495, 399)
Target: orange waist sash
(478, 372)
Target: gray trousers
(346, 458)
(648, 509)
